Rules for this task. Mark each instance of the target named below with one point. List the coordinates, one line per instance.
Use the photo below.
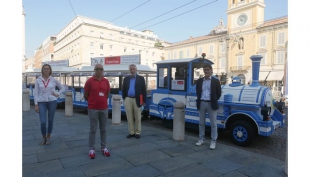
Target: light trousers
(205, 107)
(133, 114)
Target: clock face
(242, 19)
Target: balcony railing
(239, 68)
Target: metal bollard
(116, 109)
(68, 104)
(178, 121)
(26, 100)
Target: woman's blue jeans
(48, 108)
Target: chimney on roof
(191, 37)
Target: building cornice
(245, 6)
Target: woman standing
(45, 100)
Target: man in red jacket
(96, 93)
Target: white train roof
(184, 60)
(119, 68)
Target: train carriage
(115, 74)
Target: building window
(125, 49)
(169, 55)
(280, 57)
(180, 54)
(239, 62)
(200, 51)
(101, 34)
(91, 32)
(262, 41)
(211, 49)
(101, 46)
(146, 53)
(111, 36)
(281, 38)
(101, 55)
(111, 47)
(187, 53)
(223, 47)
(153, 54)
(175, 54)
(91, 55)
(91, 45)
(264, 59)
(223, 62)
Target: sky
(190, 17)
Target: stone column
(26, 100)
(68, 104)
(116, 109)
(178, 121)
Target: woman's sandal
(48, 141)
(43, 142)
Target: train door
(171, 87)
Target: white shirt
(206, 89)
(43, 89)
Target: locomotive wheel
(242, 133)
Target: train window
(69, 80)
(178, 78)
(197, 72)
(163, 77)
(76, 81)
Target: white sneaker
(200, 142)
(212, 145)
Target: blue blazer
(140, 88)
(216, 92)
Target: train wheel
(242, 133)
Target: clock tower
(244, 15)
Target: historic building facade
(231, 46)
(84, 38)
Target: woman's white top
(44, 88)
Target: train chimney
(255, 69)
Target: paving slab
(263, 168)
(139, 171)
(69, 172)
(146, 157)
(193, 170)
(107, 166)
(172, 164)
(41, 168)
(222, 165)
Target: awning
(275, 76)
(263, 75)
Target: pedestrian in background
(208, 91)
(134, 96)
(96, 93)
(45, 100)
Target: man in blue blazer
(208, 90)
(134, 96)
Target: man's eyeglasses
(99, 69)
(206, 69)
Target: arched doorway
(242, 77)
